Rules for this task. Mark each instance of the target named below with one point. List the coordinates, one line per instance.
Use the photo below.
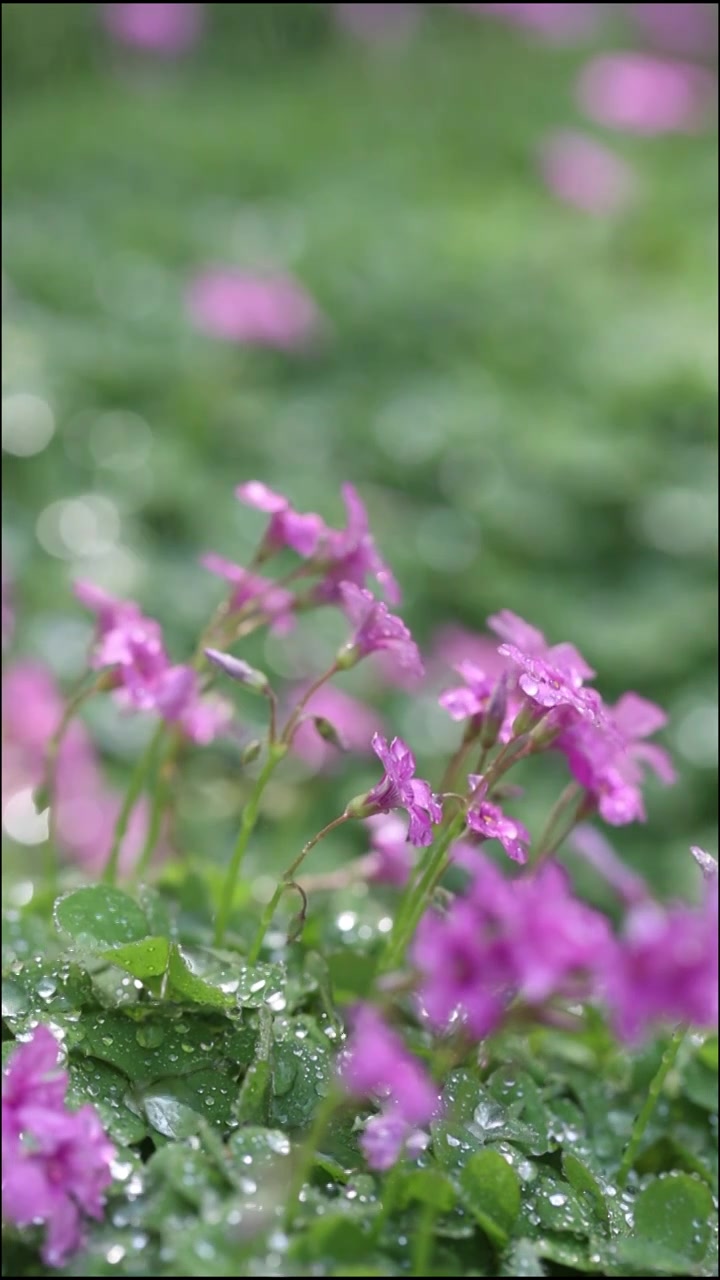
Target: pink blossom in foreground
(165, 29)
(584, 173)
(268, 600)
(377, 1065)
(489, 821)
(351, 555)
(390, 850)
(253, 310)
(679, 28)
(377, 23)
(55, 1162)
(400, 789)
(527, 940)
(642, 94)
(375, 628)
(354, 721)
(665, 969)
(548, 685)
(86, 810)
(300, 531)
(560, 23)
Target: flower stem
(422, 1244)
(51, 760)
(247, 826)
(412, 908)
(286, 881)
(159, 800)
(309, 1149)
(546, 845)
(291, 726)
(143, 767)
(656, 1087)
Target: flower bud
(251, 751)
(360, 807)
(238, 670)
(327, 731)
(705, 861)
(348, 656)
(495, 715)
(41, 797)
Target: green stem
(291, 726)
(656, 1087)
(422, 1244)
(132, 795)
(406, 922)
(545, 845)
(159, 799)
(389, 1198)
(247, 825)
(51, 762)
(286, 881)
(309, 1149)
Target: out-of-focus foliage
(525, 394)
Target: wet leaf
(491, 1191)
(674, 1213)
(99, 916)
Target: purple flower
(389, 849)
(350, 555)
(547, 684)
(608, 760)
(377, 1064)
(489, 821)
(250, 589)
(642, 94)
(55, 1163)
(665, 967)
(376, 629)
(251, 310)
(472, 698)
(528, 940)
(386, 1137)
(400, 789)
(166, 29)
(584, 173)
(680, 28)
(559, 23)
(287, 527)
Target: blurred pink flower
(166, 29)
(377, 22)
(556, 22)
(252, 310)
(87, 809)
(680, 28)
(354, 721)
(586, 174)
(642, 94)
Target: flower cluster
(55, 1162)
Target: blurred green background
(524, 394)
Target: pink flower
(252, 310)
(641, 94)
(400, 789)
(132, 647)
(390, 849)
(375, 629)
(586, 174)
(55, 1162)
(350, 555)
(548, 685)
(472, 698)
(288, 527)
(680, 28)
(166, 29)
(272, 601)
(377, 22)
(560, 23)
(666, 966)
(608, 760)
(354, 721)
(376, 1064)
(529, 940)
(86, 810)
(489, 821)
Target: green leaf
(428, 1186)
(666, 1154)
(352, 975)
(700, 1084)
(147, 958)
(674, 1213)
(708, 1054)
(175, 1105)
(108, 1091)
(583, 1181)
(251, 1105)
(148, 1048)
(98, 917)
(522, 1260)
(300, 1079)
(491, 1191)
(185, 984)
